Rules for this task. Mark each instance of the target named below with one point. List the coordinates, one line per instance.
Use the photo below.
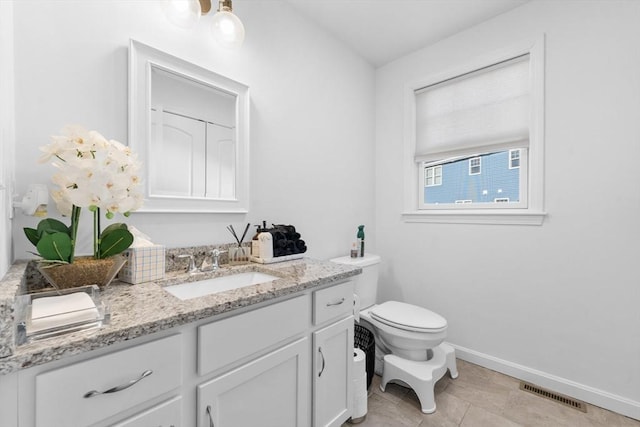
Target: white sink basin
(201, 288)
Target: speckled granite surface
(9, 286)
(141, 309)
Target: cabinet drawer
(225, 341)
(166, 414)
(332, 303)
(60, 394)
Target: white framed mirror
(190, 128)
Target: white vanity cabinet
(287, 386)
(282, 363)
(332, 371)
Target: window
(514, 159)
(481, 124)
(479, 179)
(433, 176)
(479, 117)
(474, 166)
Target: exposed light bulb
(183, 13)
(227, 28)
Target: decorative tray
(48, 314)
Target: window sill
(494, 217)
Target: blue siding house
(488, 178)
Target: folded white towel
(58, 311)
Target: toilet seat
(408, 317)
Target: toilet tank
(366, 284)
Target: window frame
(511, 158)
(472, 165)
(532, 212)
(434, 176)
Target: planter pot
(84, 271)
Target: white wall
(311, 116)
(6, 131)
(556, 303)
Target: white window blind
(482, 111)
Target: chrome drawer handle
(210, 416)
(120, 387)
(329, 304)
(322, 368)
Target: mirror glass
(189, 126)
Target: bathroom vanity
(272, 354)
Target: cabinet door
(272, 391)
(166, 414)
(221, 162)
(177, 161)
(332, 384)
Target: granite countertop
(138, 310)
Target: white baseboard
(594, 396)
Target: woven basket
(365, 341)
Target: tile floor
(480, 397)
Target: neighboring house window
(483, 124)
(514, 159)
(433, 176)
(474, 166)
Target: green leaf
(115, 242)
(55, 246)
(32, 234)
(112, 227)
(51, 225)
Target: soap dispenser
(361, 239)
(255, 244)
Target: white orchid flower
(93, 171)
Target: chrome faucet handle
(215, 255)
(191, 269)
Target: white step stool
(421, 376)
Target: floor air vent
(547, 394)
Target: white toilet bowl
(406, 330)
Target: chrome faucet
(191, 269)
(215, 254)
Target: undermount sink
(185, 291)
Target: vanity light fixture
(183, 13)
(227, 28)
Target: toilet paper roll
(356, 307)
(359, 363)
(359, 381)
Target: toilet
(409, 339)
